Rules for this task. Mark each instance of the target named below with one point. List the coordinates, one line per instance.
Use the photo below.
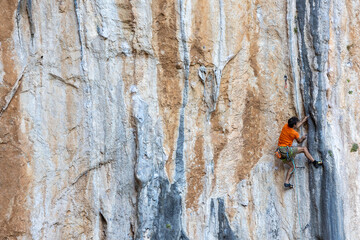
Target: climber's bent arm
(300, 140)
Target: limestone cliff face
(158, 119)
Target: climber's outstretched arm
(301, 122)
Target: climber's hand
(300, 140)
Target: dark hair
(293, 121)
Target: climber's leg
(306, 152)
(290, 171)
(308, 155)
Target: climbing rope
(297, 197)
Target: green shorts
(292, 151)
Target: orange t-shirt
(287, 136)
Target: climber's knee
(301, 149)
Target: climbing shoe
(288, 185)
(317, 163)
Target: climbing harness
(281, 155)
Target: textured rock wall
(158, 119)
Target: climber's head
(293, 121)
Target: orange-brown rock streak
(6, 29)
(169, 87)
(14, 181)
(195, 175)
(252, 123)
(253, 135)
(202, 42)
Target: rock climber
(286, 152)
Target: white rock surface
(159, 119)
